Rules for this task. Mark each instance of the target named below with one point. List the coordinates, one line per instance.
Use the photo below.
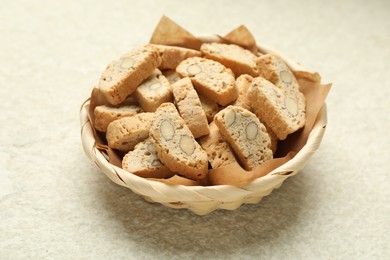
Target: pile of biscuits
(174, 113)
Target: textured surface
(55, 204)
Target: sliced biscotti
(171, 76)
(238, 59)
(175, 145)
(171, 56)
(245, 134)
(210, 107)
(123, 76)
(242, 83)
(123, 134)
(190, 108)
(154, 91)
(104, 115)
(143, 161)
(272, 137)
(274, 69)
(218, 150)
(210, 79)
(283, 113)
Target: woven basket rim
(166, 193)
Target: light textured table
(54, 204)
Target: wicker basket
(202, 200)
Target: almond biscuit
(171, 56)
(274, 69)
(245, 134)
(175, 145)
(123, 134)
(210, 79)
(123, 76)
(242, 83)
(218, 150)
(190, 108)
(283, 113)
(210, 108)
(234, 57)
(143, 162)
(154, 91)
(104, 115)
(171, 76)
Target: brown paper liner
(168, 32)
(242, 37)
(234, 174)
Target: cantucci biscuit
(104, 115)
(175, 145)
(218, 151)
(154, 91)
(190, 108)
(171, 76)
(210, 79)
(143, 162)
(210, 108)
(171, 56)
(123, 134)
(123, 76)
(283, 113)
(242, 83)
(238, 59)
(274, 69)
(272, 137)
(245, 134)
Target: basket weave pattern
(202, 200)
